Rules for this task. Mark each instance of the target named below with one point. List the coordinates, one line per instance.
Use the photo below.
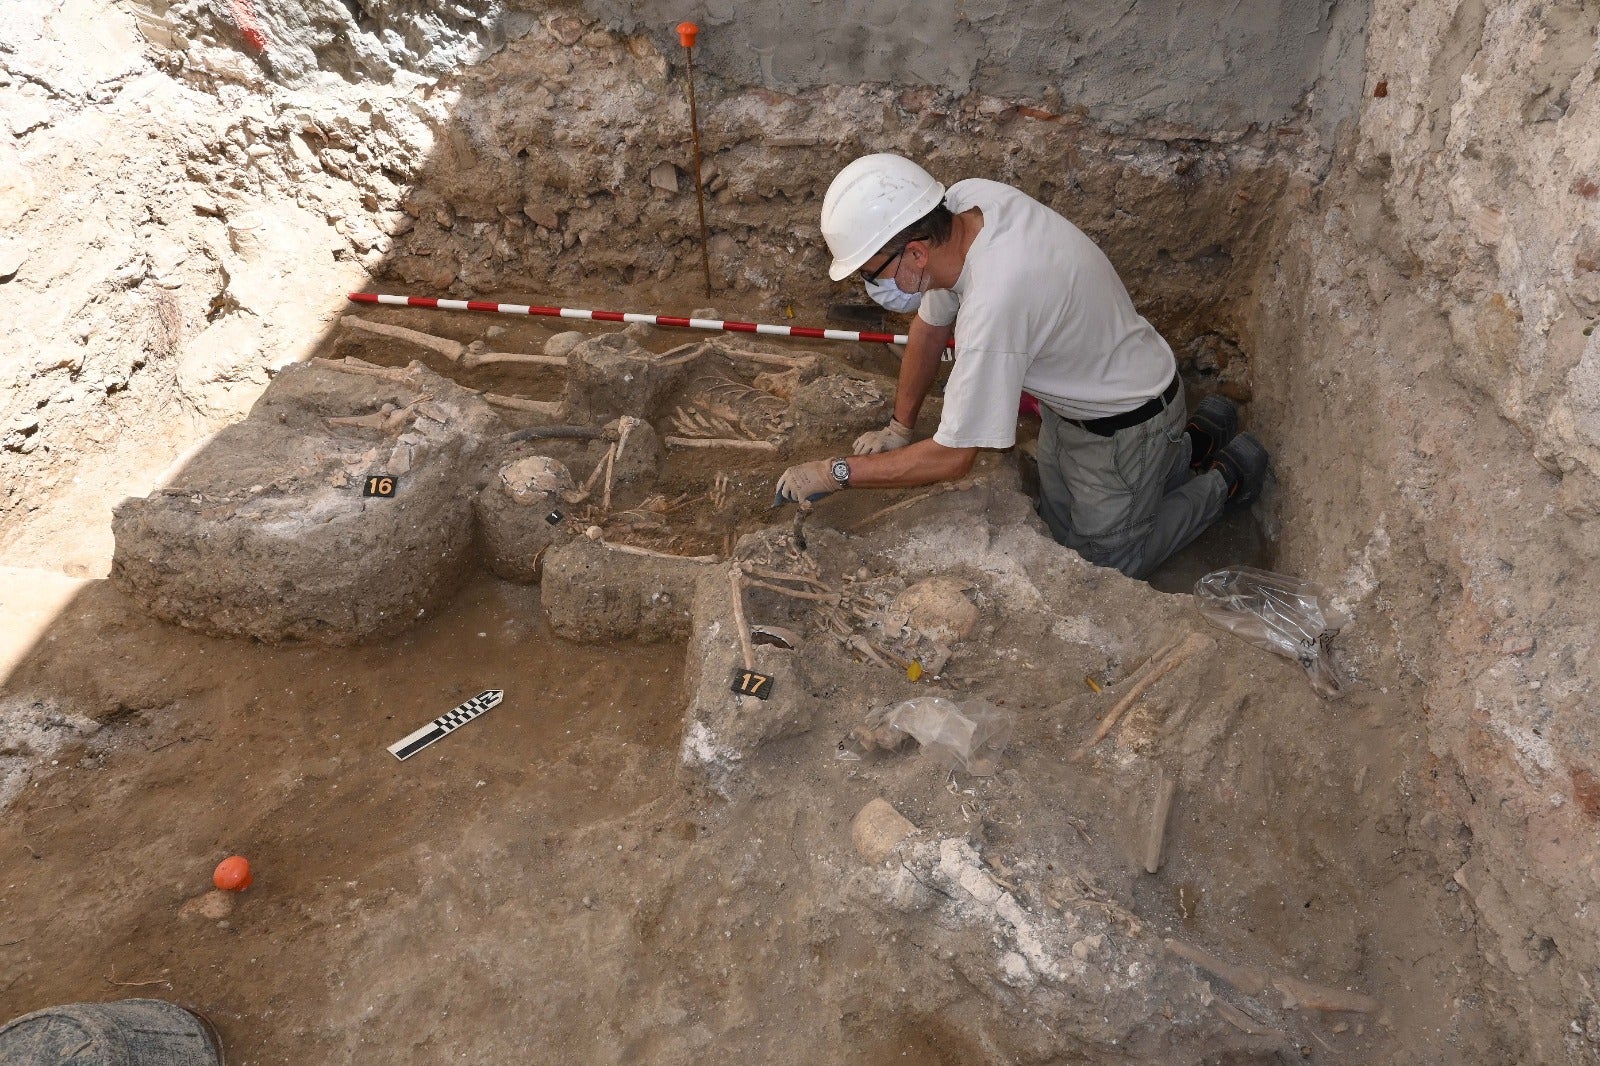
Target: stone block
(612, 375)
(266, 533)
(594, 592)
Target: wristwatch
(840, 469)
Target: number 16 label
(380, 485)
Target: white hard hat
(870, 201)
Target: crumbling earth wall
(1434, 398)
(189, 189)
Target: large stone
(266, 533)
(594, 592)
(612, 375)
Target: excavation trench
(219, 632)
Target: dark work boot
(1211, 426)
(1243, 462)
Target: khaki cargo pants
(1126, 501)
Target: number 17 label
(750, 683)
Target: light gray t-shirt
(1042, 309)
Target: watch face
(841, 471)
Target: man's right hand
(895, 435)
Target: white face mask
(891, 297)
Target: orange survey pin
(686, 34)
(233, 874)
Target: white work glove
(806, 481)
(894, 435)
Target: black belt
(1107, 426)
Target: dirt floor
(538, 882)
(547, 883)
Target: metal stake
(686, 34)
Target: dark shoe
(1243, 462)
(1212, 425)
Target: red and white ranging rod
(866, 337)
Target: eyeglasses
(872, 278)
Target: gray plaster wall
(1210, 66)
(1213, 64)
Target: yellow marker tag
(1092, 683)
(789, 310)
(914, 671)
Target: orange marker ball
(232, 874)
(687, 32)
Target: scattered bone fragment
(407, 452)
(878, 829)
(699, 442)
(599, 471)
(389, 416)
(697, 424)
(548, 408)
(954, 486)
(721, 491)
(476, 359)
(1305, 995)
(736, 580)
(1153, 672)
(351, 365)
(442, 346)
(1247, 979)
(684, 353)
(650, 553)
(842, 403)
(1242, 1021)
(783, 384)
(1156, 834)
(1297, 994)
(767, 358)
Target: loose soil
(543, 883)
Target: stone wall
(1434, 395)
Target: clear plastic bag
(971, 735)
(1282, 614)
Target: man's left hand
(806, 481)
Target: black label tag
(554, 518)
(380, 485)
(750, 683)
